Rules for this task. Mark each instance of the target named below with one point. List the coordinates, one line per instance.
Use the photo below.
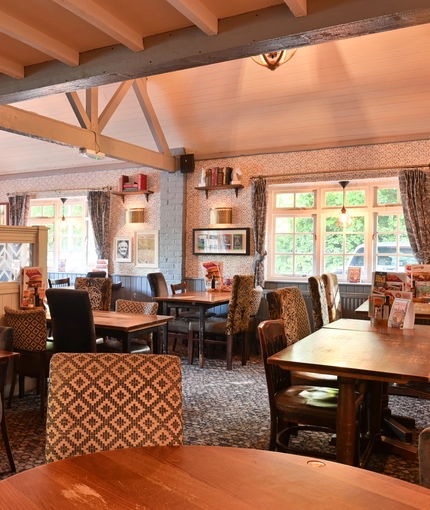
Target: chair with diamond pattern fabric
(319, 301)
(332, 294)
(99, 291)
(105, 401)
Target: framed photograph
(4, 213)
(146, 246)
(122, 249)
(221, 241)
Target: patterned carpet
(220, 408)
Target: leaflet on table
(354, 274)
(420, 274)
(384, 281)
(398, 294)
(376, 302)
(402, 314)
(31, 285)
(379, 279)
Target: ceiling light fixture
(344, 220)
(62, 209)
(88, 153)
(274, 59)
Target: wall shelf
(206, 189)
(127, 193)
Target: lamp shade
(220, 215)
(135, 215)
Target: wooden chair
(424, 457)
(99, 291)
(101, 401)
(29, 339)
(288, 304)
(236, 324)
(294, 408)
(61, 282)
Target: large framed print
(221, 241)
(146, 246)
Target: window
(304, 237)
(70, 237)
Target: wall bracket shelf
(127, 193)
(206, 189)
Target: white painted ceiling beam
(198, 14)
(102, 19)
(22, 122)
(298, 7)
(37, 39)
(12, 69)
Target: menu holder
(402, 314)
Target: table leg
(346, 421)
(165, 348)
(201, 335)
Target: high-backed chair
(140, 344)
(236, 324)
(424, 457)
(99, 291)
(319, 301)
(288, 304)
(157, 284)
(71, 320)
(101, 401)
(59, 282)
(115, 293)
(96, 274)
(294, 408)
(256, 296)
(332, 294)
(29, 339)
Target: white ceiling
(337, 90)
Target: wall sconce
(135, 215)
(221, 215)
(344, 220)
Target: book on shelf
(402, 314)
(354, 274)
(379, 281)
(142, 182)
(121, 181)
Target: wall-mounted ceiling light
(62, 208)
(274, 59)
(88, 153)
(221, 215)
(135, 215)
(344, 219)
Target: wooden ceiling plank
(92, 107)
(113, 103)
(22, 122)
(79, 110)
(12, 69)
(102, 19)
(33, 37)
(198, 14)
(298, 7)
(140, 89)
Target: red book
(122, 180)
(214, 176)
(142, 184)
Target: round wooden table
(192, 477)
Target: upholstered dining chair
(288, 304)
(72, 320)
(59, 282)
(319, 301)
(332, 294)
(424, 457)
(29, 339)
(99, 291)
(294, 407)
(223, 331)
(96, 274)
(103, 401)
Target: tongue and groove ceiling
(143, 80)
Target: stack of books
(127, 185)
(218, 176)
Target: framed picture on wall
(221, 241)
(4, 214)
(146, 248)
(122, 249)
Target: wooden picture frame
(4, 213)
(123, 249)
(221, 241)
(146, 248)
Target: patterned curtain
(99, 209)
(19, 206)
(416, 206)
(259, 222)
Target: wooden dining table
(200, 300)
(422, 310)
(205, 477)
(378, 356)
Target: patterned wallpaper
(308, 166)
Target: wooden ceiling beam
(79, 110)
(198, 14)
(11, 68)
(113, 103)
(298, 7)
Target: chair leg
(6, 441)
(229, 352)
(12, 384)
(21, 381)
(190, 347)
(244, 347)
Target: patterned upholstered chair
(103, 401)
(29, 339)
(332, 294)
(140, 344)
(256, 296)
(319, 301)
(424, 457)
(237, 322)
(294, 407)
(99, 290)
(289, 305)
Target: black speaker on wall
(187, 163)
